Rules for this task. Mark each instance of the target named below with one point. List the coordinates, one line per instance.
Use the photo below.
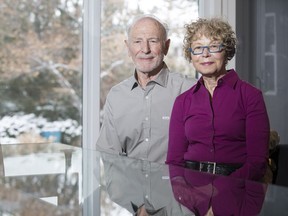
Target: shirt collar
(230, 79)
(161, 79)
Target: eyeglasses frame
(220, 48)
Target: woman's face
(208, 64)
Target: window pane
(41, 70)
(115, 62)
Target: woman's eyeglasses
(211, 49)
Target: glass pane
(271, 54)
(115, 62)
(41, 70)
(269, 79)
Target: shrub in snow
(11, 127)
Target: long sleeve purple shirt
(232, 127)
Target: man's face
(147, 46)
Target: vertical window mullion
(91, 107)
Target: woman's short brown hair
(215, 29)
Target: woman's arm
(257, 136)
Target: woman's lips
(206, 63)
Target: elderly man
(137, 110)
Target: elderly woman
(220, 125)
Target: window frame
(91, 105)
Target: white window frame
(91, 106)
(91, 72)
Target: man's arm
(108, 140)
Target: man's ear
(167, 45)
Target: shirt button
(211, 150)
(146, 175)
(146, 139)
(146, 118)
(147, 97)
(146, 196)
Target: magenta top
(232, 127)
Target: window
(41, 61)
(41, 71)
(116, 15)
(270, 56)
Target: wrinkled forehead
(147, 25)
